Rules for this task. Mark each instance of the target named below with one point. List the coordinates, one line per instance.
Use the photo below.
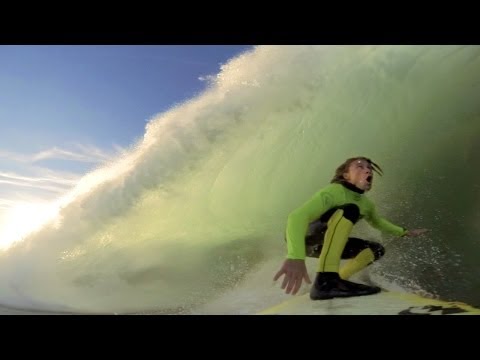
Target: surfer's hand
(295, 271)
(416, 232)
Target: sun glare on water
(23, 219)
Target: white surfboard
(383, 303)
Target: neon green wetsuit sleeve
(383, 224)
(299, 219)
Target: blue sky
(66, 109)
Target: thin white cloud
(61, 154)
(22, 180)
(61, 178)
(208, 78)
(36, 186)
(54, 183)
(83, 153)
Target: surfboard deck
(383, 303)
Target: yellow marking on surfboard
(274, 309)
(425, 301)
(408, 297)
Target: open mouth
(369, 179)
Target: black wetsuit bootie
(329, 285)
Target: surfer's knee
(378, 250)
(351, 212)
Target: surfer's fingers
(278, 274)
(285, 281)
(297, 284)
(291, 283)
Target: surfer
(321, 228)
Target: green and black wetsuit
(307, 224)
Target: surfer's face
(360, 174)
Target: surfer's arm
(299, 219)
(383, 224)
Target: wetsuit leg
(339, 226)
(361, 254)
(328, 283)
